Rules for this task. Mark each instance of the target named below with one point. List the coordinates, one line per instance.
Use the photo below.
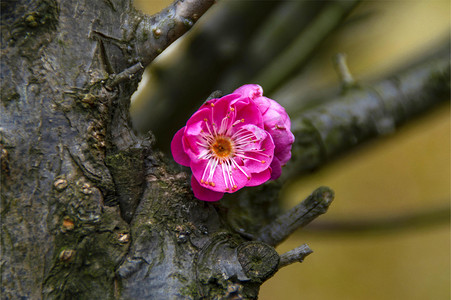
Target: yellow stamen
(222, 147)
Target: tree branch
(296, 255)
(127, 74)
(156, 33)
(328, 129)
(313, 206)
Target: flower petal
(177, 149)
(194, 127)
(248, 113)
(263, 104)
(273, 112)
(249, 90)
(204, 194)
(220, 177)
(257, 150)
(259, 178)
(283, 140)
(277, 124)
(276, 169)
(220, 110)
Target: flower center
(222, 147)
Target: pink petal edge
(276, 169)
(259, 178)
(204, 194)
(250, 90)
(177, 150)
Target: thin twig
(296, 255)
(346, 78)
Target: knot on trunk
(258, 260)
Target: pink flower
(235, 141)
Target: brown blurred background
(405, 173)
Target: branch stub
(258, 260)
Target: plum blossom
(241, 139)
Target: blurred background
(387, 234)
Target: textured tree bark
(90, 210)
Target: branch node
(258, 260)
